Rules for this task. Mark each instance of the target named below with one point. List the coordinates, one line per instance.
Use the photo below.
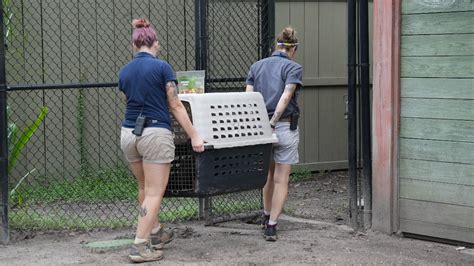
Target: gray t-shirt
(269, 76)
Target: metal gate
(60, 109)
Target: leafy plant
(17, 140)
(7, 19)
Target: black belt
(150, 122)
(282, 119)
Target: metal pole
(352, 115)
(365, 106)
(3, 136)
(200, 17)
(268, 27)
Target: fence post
(200, 17)
(352, 112)
(365, 116)
(268, 27)
(4, 234)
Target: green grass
(300, 174)
(103, 185)
(88, 201)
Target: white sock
(270, 222)
(156, 229)
(139, 241)
(265, 212)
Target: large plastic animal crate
(239, 140)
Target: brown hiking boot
(162, 237)
(143, 252)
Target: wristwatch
(272, 125)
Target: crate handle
(208, 147)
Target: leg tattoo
(143, 211)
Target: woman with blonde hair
(278, 78)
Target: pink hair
(143, 33)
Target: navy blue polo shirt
(143, 80)
(270, 75)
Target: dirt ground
(313, 231)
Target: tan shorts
(155, 145)
(285, 151)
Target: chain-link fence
(66, 169)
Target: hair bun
(287, 35)
(140, 23)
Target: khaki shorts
(285, 151)
(155, 145)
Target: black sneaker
(265, 219)
(162, 237)
(144, 252)
(270, 233)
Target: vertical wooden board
(122, 31)
(123, 49)
(302, 127)
(51, 41)
(437, 88)
(438, 213)
(33, 42)
(311, 121)
(437, 171)
(218, 34)
(141, 8)
(441, 151)
(88, 63)
(332, 39)
(72, 156)
(54, 141)
(159, 19)
(297, 20)
(282, 16)
(71, 74)
(106, 67)
(311, 38)
(88, 41)
(437, 129)
(444, 108)
(14, 49)
(423, 6)
(190, 27)
(437, 192)
(242, 27)
(437, 230)
(108, 142)
(107, 72)
(34, 75)
(52, 51)
(176, 35)
(437, 67)
(332, 125)
(441, 23)
(437, 45)
(70, 39)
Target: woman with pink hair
(149, 85)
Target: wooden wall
(436, 161)
(322, 31)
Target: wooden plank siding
(436, 162)
(321, 29)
